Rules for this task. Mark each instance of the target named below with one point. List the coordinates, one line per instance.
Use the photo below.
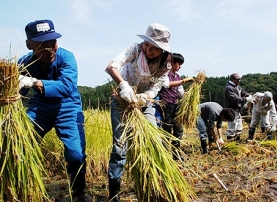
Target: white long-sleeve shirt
(263, 107)
(137, 71)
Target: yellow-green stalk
(156, 175)
(20, 155)
(188, 106)
(235, 148)
(98, 149)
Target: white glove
(26, 81)
(220, 141)
(273, 129)
(142, 98)
(127, 92)
(250, 99)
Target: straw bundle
(157, 176)
(20, 154)
(236, 149)
(188, 106)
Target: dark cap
(41, 30)
(235, 76)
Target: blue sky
(217, 36)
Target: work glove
(220, 141)
(26, 81)
(273, 129)
(127, 92)
(142, 98)
(250, 99)
(188, 79)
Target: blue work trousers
(68, 120)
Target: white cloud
(181, 10)
(12, 42)
(80, 10)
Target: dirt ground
(247, 174)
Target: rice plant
(99, 141)
(236, 149)
(156, 175)
(20, 154)
(188, 108)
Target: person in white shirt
(144, 66)
(264, 110)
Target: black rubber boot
(204, 146)
(251, 134)
(77, 172)
(114, 188)
(263, 129)
(269, 135)
(237, 137)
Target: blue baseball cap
(41, 30)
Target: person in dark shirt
(275, 99)
(235, 97)
(171, 91)
(212, 113)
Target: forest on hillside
(212, 89)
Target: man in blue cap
(52, 73)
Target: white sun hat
(158, 35)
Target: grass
(249, 176)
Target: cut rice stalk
(236, 149)
(157, 176)
(188, 106)
(20, 155)
(269, 143)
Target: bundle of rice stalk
(269, 143)
(236, 149)
(157, 176)
(188, 106)
(20, 154)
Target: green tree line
(212, 89)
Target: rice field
(245, 171)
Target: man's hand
(127, 92)
(250, 99)
(26, 81)
(142, 98)
(188, 79)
